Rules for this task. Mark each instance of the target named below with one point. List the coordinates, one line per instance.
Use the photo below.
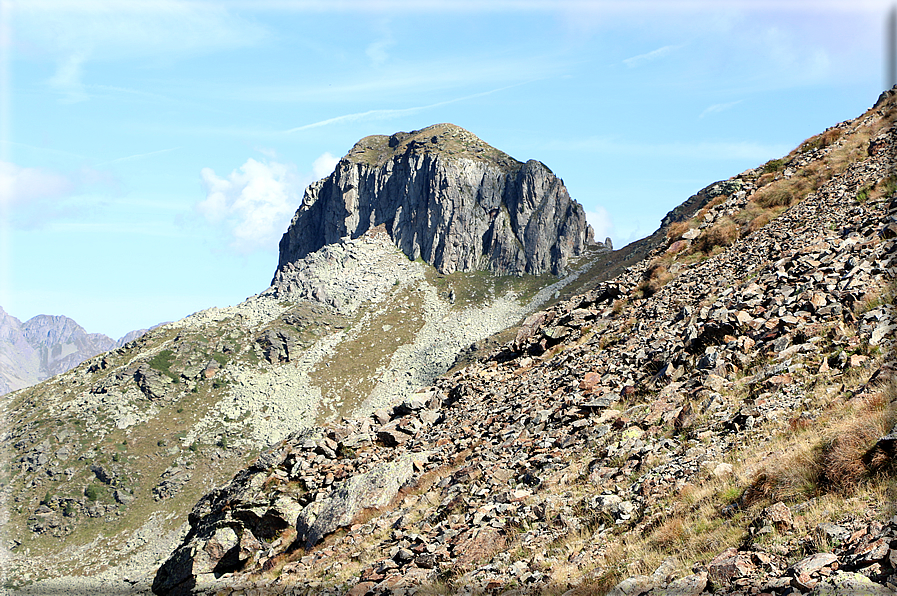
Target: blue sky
(152, 152)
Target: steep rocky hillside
(447, 197)
(104, 460)
(46, 345)
(719, 418)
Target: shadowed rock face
(447, 197)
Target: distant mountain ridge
(45, 346)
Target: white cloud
(21, 185)
(601, 222)
(67, 80)
(36, 196)
(254, 202)
(74, 32)
(719, 107)
(324, 165)
(377, 51)
(650, 56)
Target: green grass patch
(162, 362)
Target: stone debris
(600, 408)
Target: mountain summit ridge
(444, 196)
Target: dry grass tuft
(676, 230)
(654, 278)
(723, 233)
(844, 458)
(820, 141)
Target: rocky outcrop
(446, 197)
(245, 522)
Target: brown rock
(779, 515)
(391, 436)
(857, 360)
(779, 380)
(476, 545)
(590, 381)
(677, 246)
(728, 565)
(361, 588)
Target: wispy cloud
(377, 51)
(33, 197)
(636, 7)
(20, 185)
(44, 149)
(75, 32)
(67, 80)
(719, 107)
(161, 229)
(705, 150)
(394, 113)
(412, 78)
(137, 156)
(636, 61)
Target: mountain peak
(443, 139)
(447, 197)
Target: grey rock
(103, 475)
(690, 585)
(814, 563)
(843, 583)
(122, 497)
(279, 344)
(633, 586)
(153, 384)
(373, 489)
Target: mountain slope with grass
(105, 460)
(717, 418)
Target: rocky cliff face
(447, 197)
